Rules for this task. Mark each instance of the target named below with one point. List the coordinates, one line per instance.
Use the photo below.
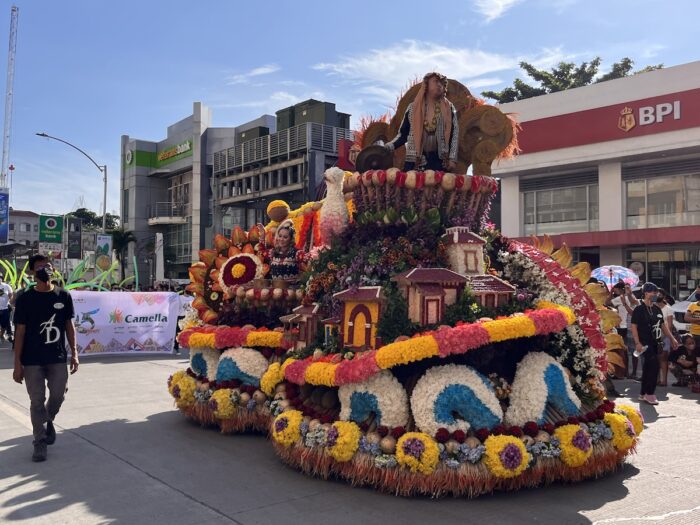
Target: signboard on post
(125, 322)
(51, 235)
(4, 215)
(74, 250)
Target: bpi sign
(649, 115)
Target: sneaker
(641, 398)
(40, 451)
(651, 399)
(50, 433)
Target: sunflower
(239, 269)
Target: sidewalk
(125, 455)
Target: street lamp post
(103, 170)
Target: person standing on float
(43, 322)
(429, 129)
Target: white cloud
(493, 9)
(242, 78)
(276, 101)
(381, 74)
(652, 50)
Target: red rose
(515, 431)
(459, 436)
(482, 434)
(442, 435)
(600, 413)
(381, 177)
(559, 424)
(548, 427)
(498, 430)
(459, 182)
(326, 419)
(531, 428)
(438, 177)
(572, 420)
(383, 430)
(420, 180)
(397, 432)
(590, 417)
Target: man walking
(43, 320)
(647, 328)
(5, 298)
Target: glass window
(36, 228)
(663, 201)
(12, 226)
(125, 206)
(561, 210)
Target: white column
(610, 206)
(510, 206)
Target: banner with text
(125, 322)
(4, 215)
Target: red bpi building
(613, 170)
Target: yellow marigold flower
(175, 379)
(510, 328)
(202, 341)
(633, 415)
(271, 378)
(405, 352)
(183, 392)
(221, 404)
(322, 374)
(287, 362)
(286, 428)
(622, 429)
(506, 456)
(418, 452)
(270, 339)
(343, 440)
(575, 443)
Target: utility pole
(9, 90)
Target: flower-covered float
(389, 336)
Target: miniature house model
(360, 313)
(301, 325)
(428, 291)
(490, 291)
(465, 250)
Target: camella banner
(125, 322)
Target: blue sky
(90, 71)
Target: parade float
(391, 337)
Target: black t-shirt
(648, 321)
(45, 315)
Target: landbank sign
(185, 147)
(125, 322)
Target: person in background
(6, 294)
(667, 312)
(186, 299)
(44, 321)
(625, 302)
(648, 328)
(685, 361)
(692, 316)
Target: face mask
(655, 298)
(43, 275)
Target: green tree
(121, 239)
(566, 75)
(93, 221)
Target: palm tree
(121, 239)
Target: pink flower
(461, 339)
(362, 367)
(295, 371)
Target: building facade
(613, 170)
(24, 228)
(201, 180)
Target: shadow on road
(167, 470)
